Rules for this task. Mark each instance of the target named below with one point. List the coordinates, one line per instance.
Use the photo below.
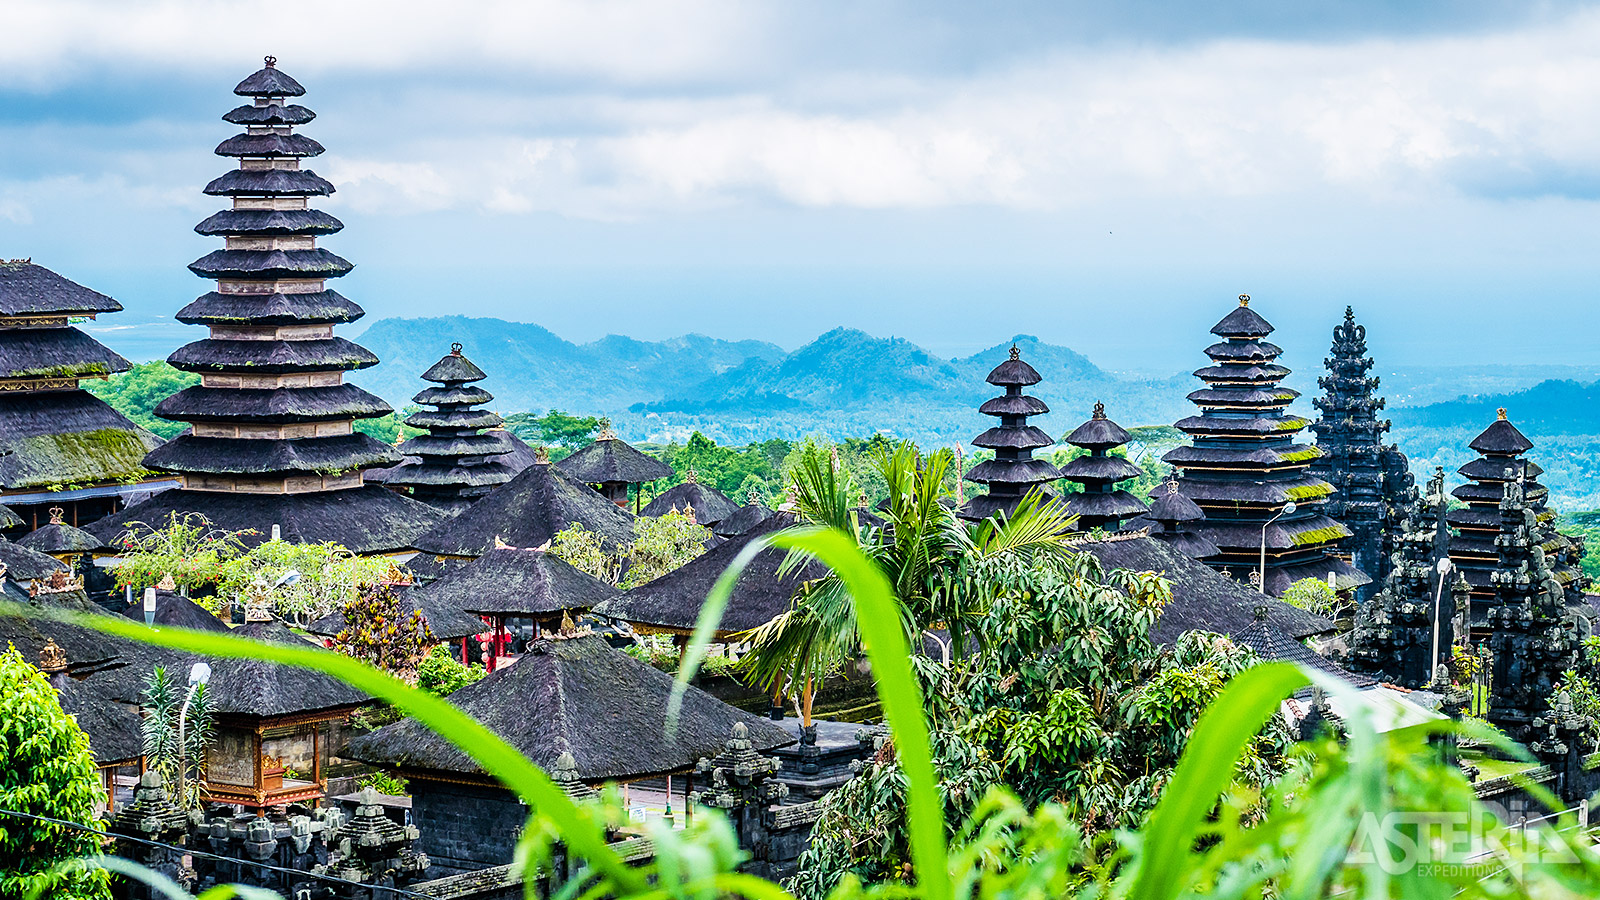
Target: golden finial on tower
(1244, 299)
(1500, 414)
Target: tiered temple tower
(1244, 467)
(1372, 483)
(456, 462)
(59, 444)
(1101, 504)
(1394, 631)
(273, 440)
(1013, 472)
(1476, 549)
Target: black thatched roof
(1110, 505)
(313, 263)
(271, 405)
(59, 537)
(453, 419)
(673, 601)
(710, 505)
(271, 114)
(611, 460)
(23, 564)
(452, 446)
(68, 437)
(578, 696)
(1242, 322)
(270, 144)
(270, 309)
(453, 369)
(1168, 504)
(269, 81)
(1013, 472)
(56, 353)
(1270, 643)
(447, 623)
(527, 511)
(9, 519)
(269, 182)
(1094, 469)
(1236, 350)
(512, 581)
(115, 730)
(982, 506)
(1202, 598)
(172, 608)
(271, 357)
(1014, 372)
(269, 222)
(1015, 437)
(453, 395)
(1014, 405)
(260, 456)
(27, 289)
(366, 520)
(1501, 438)
(743, 520)
(1099, 433)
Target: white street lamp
(1444, 568)
(1288, 510)
(199, 674)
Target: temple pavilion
(272, 441)
(1373, 489)
(1100, 503)
(527, 511)
(59, 444)
(710, 505)
(570, 694)
(1475, 547)
(1244, 468)
(1174, 519)
(612, 466)
(1013, 471)
(456, 461)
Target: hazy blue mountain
(531, 368)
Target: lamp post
(1288, 510)
(199, 674)
(1444, 568)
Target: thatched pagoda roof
(51, 438)
(612, 459)
(271, 114)
(56, 353)
(1242, 322)
(269, 81)
(672, 602)
(513, 581)
(580, 696)
(172, 608)
(271, 406)
(57, 536)
(710, 505)
(319, 307)
(28, 289)
(116, 732)
(1501, 438)
(365, 520)
(528, 511)
(743, 520)
(23, 564)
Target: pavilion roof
(581, 696)
(612, 459)
(27, 289)
(513, 581)
(710, 505)
(528, 511)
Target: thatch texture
(260, 456)
(314, 263)
(578, 696)
(270, 309)
(271, 405)
(271, 114)
(115, 730)
(528, 511)
(269, 81)
(9, 519)
(269, 222)
(60, 538)
(744, 519)
(53, 438)
(271, 357)
(176, 610)
(55, 353)
(272, 182)
(613, 460)
(512, 581)
(24, 565)
(365, 520)
(710, 505)
(673, 601)
(27, 289)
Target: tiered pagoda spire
(1013, 472)
(59, 444)
(1101, 504)
(456, 462)
(1244, 468)
(1372, 483)
(1394, 631)
(1475, 548)
(273, 440)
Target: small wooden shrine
(1013, 471)
(612, 466)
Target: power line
(190, 851)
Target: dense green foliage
(390, 428)
(136, 392)
(163, 707)
(380, 631)
(1313, 595)
(46, 769)
(660, 544)
(559, 432)
(440, 673)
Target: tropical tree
(164, 751)
(660, 544)
(46, 770)
(379, 630)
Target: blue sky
(1106, 176)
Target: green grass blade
(579, 828)
(1205, 771)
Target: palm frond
(1039, 525)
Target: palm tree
(923, 549)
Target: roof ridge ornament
(692, 478)
(52, 658)
(56, 513)
(607, 433)
(1015, 352)
(1099, 410)
(1500, 414)
(271, 61)
(1244, 299)
(455, 348)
